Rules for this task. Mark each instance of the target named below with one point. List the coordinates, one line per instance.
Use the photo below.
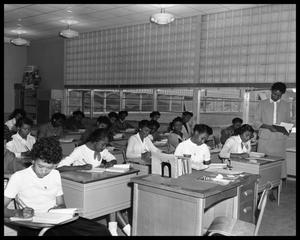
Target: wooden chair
(234, 227)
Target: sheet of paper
(288, 126)
(13, 219)
(125, 166)
(64, 210)
(51, 218)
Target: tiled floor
(281, 220)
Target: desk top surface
(191, 184)
(260, 161)
(89, 177)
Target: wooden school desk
(187, 205)
(97, 194)
(268, 167)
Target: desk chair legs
(278, 192)
(42, 232)
(116, 218)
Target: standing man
(273, 111)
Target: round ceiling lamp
(19, 41)
(69, 33)
(162, 17)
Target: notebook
(54, 216)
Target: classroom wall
(251, 45)
(15, 59)
(139, 54)
(48, 55)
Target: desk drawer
(246, 202)
(246, 211)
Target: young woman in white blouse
(176, 135)
(94, 154)
(89, 155)
(22, 142)
(140, 145)
(239, 144)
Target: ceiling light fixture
(69, 33)
(19, 41)
(162, 17)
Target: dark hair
(237, 120)
(177, 119)
(185, 113)
(78, 112)
(104, 119)
(144, 123)
(98, 134)
(24, 120)
(123, 112)
(113, 114)
(279, 86)
(48, 149)
(58, 116)
(16, 112)
(154, 113)
(203, 128)
(244, 128)
(154, 123)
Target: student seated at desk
(239, 144)
(155, 115)
(154, 134)
(140, 145)
(176, 135)
(121, 124)
(13, 117)
(89, 155)
(22, 142)
(103, 122)
(195, 146)
(11, 162)
(229, 131)
(54, 127)
(113, 117)
(38, 188)
(75, 121)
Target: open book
(284, 127)
(54, 216)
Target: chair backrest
(261, 205)
(158, 158)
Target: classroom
(149, 119)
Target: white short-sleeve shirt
(136, 146)
(199, 153)
(18, 144)
(234, 145)
(37, 193)
(83, 155)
